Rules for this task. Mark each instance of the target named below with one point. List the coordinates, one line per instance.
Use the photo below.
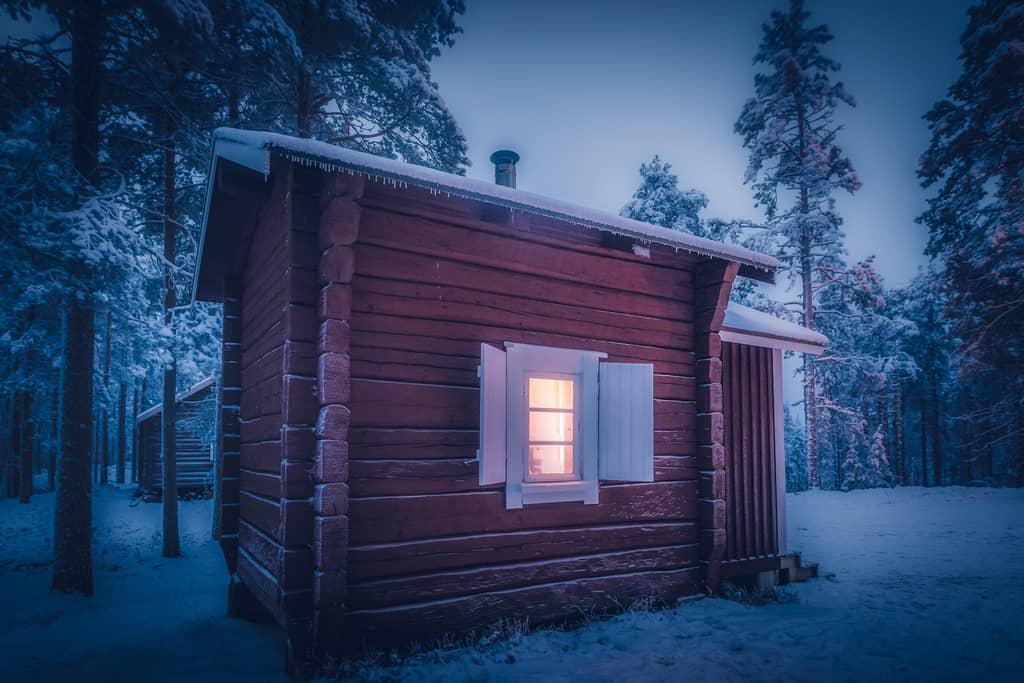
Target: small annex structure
(196, 408)
(447, 402)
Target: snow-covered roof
(183, 396)
(745, 325)
(252, 149)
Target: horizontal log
(400, 404)
(375, 443)
(263, 428)
(262, 456)
(262, 513)
(408, 590)
(450, 304)
(539, 604)
(465, 338)
(449, 241)
(292, 568)
(394, 264)
(372, 478)
(519, 225)
(412, 557)
(389, 519)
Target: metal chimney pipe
(505, 161)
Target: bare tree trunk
(105, 418)
(897, 399)
(936, 430)
(51, 465)
(302, 110)
(883, 414)
(121, 436)
(172, 544)
(27, 443)
(924, 442)
(135, 432)
(72, 565)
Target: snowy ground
(151, 618)
(917, 584)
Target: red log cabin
(447, 402)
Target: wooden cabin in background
(448, 402)
(196, 411)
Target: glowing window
(551, 444)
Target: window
(552, 423)
(555, 421)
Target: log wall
(747, 380)
(429, 550)
(278, 408)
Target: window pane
(550, 393)
(550, 426)
(550, 460)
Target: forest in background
(105, 131)
(922, 384)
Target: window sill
(533, 493)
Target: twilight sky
(587, 90)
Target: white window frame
(528, 360)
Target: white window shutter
(626, 422)
(491, 455)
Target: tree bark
(936, 429)
(171, 544)
(27, 443)
(924, 442)
(72, 565)
(105, 415)
(121, 436)
(897, 426)
(135, 432)
(51, 466)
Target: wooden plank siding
(748, 399)
(429, 550)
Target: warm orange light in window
(551, 427)
(551, 393)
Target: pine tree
(361, 78)
(796, 166)
(659, 200)
(975, 162)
